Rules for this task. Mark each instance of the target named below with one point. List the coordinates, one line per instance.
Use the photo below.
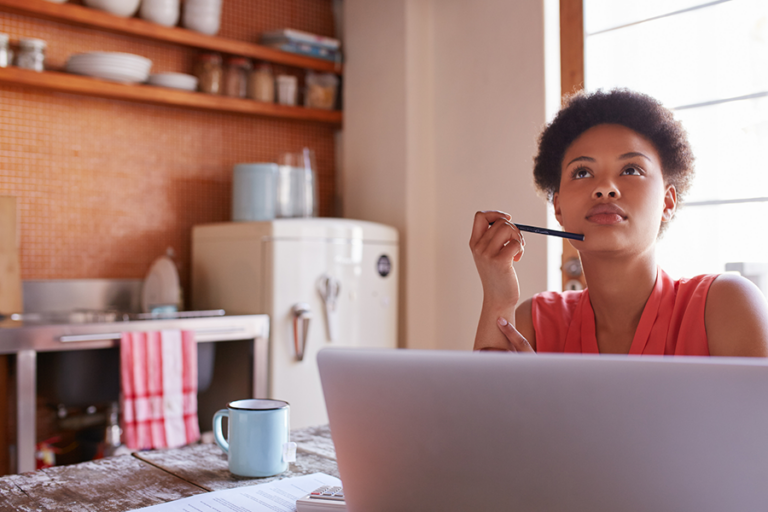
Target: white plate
(117, 66)
(174, 81)
(116, 74)
(113, 58)
(99, 65)
(127, 64)
(161, 286)
(96, 65)
(111, 55)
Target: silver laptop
(459, 431)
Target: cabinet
(82, 16)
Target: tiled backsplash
(105, 186)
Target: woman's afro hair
(633, 110)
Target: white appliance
(323, 282)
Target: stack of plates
(174, 81)
(120, 67)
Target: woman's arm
(521, 337)
(524, 322)
(736, 318)
(496, 244)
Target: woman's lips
(606, 214)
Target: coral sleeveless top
(672, 322)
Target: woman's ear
(556, 204)
(670, 204)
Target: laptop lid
(461, 431)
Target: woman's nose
(607, 189)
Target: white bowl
(205, 24)
(202, 12)
(202, 3)
(174, 81)
(193, 18)
(202, 9)
(160, 4)
(124, 8)
(162, 12)
(167, 18)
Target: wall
(105, 186)
(443, 103)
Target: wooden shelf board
(64, 82)
(93, 18)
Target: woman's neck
(618, 291)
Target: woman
(615, 166)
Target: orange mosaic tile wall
(104, 187)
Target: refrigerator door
(323, 292)
(284, 268)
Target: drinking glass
(297, 185)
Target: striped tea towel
(158, 380)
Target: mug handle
(217, 435)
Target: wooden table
(128, 482)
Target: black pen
(550, 232)
(545, 231)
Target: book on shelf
(307, 49)
(289, 35)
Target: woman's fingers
(499, 236)
(508, 239)
(481, 223)
(505, 240)
(516, 340)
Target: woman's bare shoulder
(736, 318)
(524, 321)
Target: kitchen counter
(142, 479)
(16, 337)
(25, 341)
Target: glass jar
(321, 90)
(31, 54)
(261, 84)
(287, 89)
(236, 77)
(208, 71)
(6, 55)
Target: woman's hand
(517, 343)
(496, 244)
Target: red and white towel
(158, 374)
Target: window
(708, 62)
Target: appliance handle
(301, 317)
(112, 336)
(91, 337)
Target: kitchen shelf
(64, 82)
(86, 17)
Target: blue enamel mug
(254, 192)
(258, 441)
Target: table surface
(141, 479)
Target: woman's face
(612, 190)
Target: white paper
(277, 496)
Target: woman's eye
(580, 173)
(632, 171)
